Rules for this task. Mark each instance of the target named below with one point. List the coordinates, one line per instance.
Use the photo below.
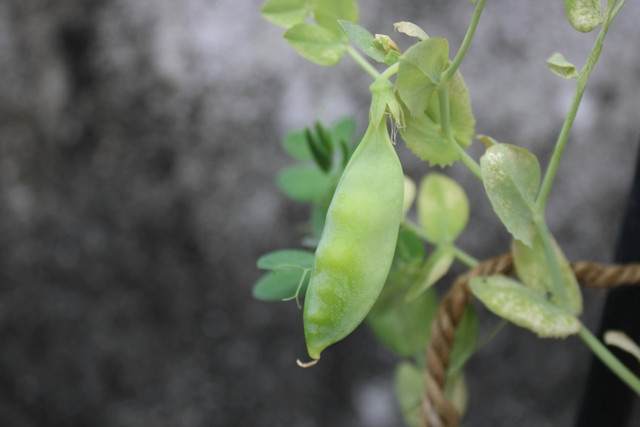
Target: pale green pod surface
(358, 242)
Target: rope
(436, 410)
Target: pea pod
(357, 244)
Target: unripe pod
(358, 242)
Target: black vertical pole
(607, 401)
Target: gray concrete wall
(139, 141)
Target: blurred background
(139, 142)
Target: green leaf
(419, 73)
(443, 208)
(409, 385)
(285, 13)
(404, 327)
(436, 266)
(423, 134)
(364, 40)
(295, 144)
(462, 121)
(317, 44)
(524, 306)
(392, 57)
(455, 390)
(584, 15)
(410, 29)
(409, 195)
(561, 67)
(286, 258)
(320, 150)
(533, 269)
(344, 130)
(303, 184)
(327, 13)
(511, 177)
(466, 338)
(280, 284)
(409, 247)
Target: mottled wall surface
(139, 140)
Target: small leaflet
(561, 67)
(410, 29)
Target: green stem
(450, 71)
(606, 357)
(464, 257)
(445, 123)
(558, 290)
(460, 255)
(563, 137)
(390, 71)
(362, 62)
(470, 163)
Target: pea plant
(362, 257)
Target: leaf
(319, 149)
(295, 144)
(419, 72)
(621, 340)
(583, 15)
(280, 284)
(344, 129)
(387, 43)
(327, 13)
(424, 139)
(511, 177)
(317, 44)
(409, 195)
(561, 67)
(285, 13)
(423, 133)
(303, 184)
(392, 57)
(462, 121)
(410, 29)
(404, 327)
(524, 306)
(363, 40)
(466, 338)
(436, 266)
(409, 384)
(533, 269)
(409, 247)
(456, 392)
(286, 258)
(443, 208)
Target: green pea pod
(358, 242)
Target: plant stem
(583, 78)
(450, 71)
(460, 255)
(390, 71)
(603, 353)
(445, 123)
(464, 257)
(362, 62)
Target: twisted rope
(436, 410)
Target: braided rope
(436, 410)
